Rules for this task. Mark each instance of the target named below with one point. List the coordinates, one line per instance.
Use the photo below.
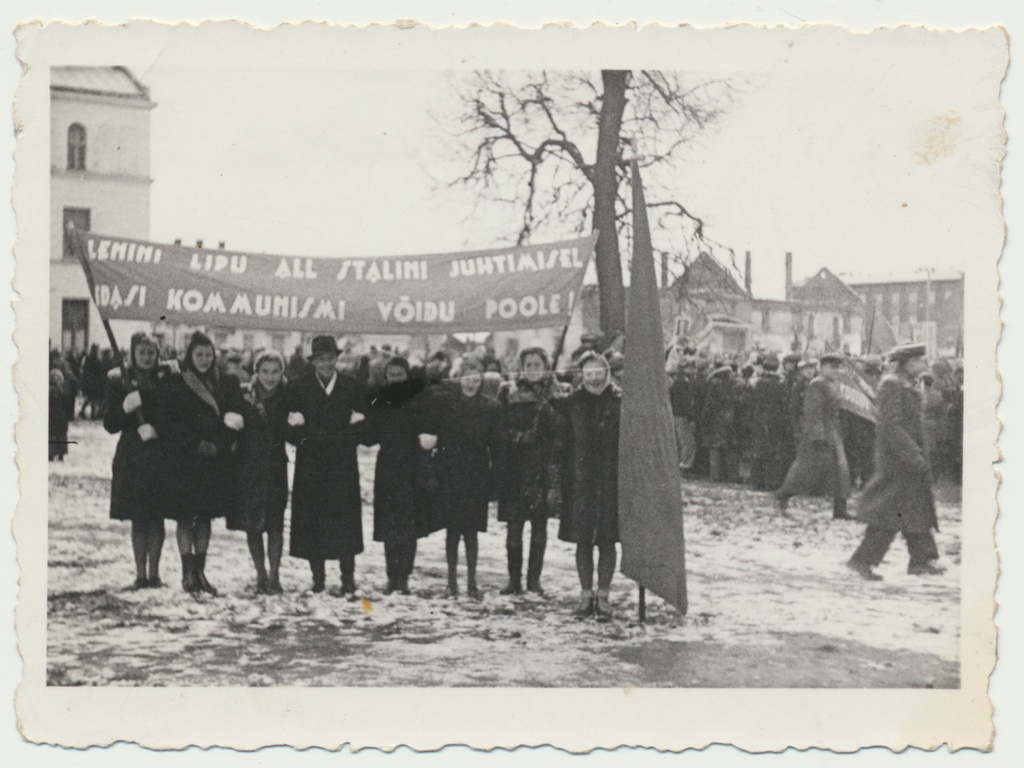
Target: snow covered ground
(771, 605)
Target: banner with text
(500, 289)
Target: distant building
(923, 306)
(712, 311)
(831, 314)
(99, 179)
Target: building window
(837, 330)
(81, 218)
(74, 325)
(766, 320)
(810, 324)
(912, 305)
(76, 147)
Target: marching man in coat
(899, 496)
(820, 464)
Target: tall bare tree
(555, 147)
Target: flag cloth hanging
(650, 503)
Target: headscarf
(200, 339)
(594, 357)
(392, 394)
(138, 377)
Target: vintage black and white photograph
(566, 371)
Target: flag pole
(83, 259)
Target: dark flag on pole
(650, 503)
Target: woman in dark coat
(591, 515)
(138, 487)
(820, 465)
(263, 469)
(899, 499)
(58, 417)
(718, 423)
(93, 379)
(467, 453)
(400, 420)
(530, 474)
(327, 506)
(200, 421)
(769, 433)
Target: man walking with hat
(899, 497)
(820, 465)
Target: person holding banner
(201, 418)
(591, 515)
(467, 459)
(899, 498)
(401, 422)
(531, 475)
(138, 483)
(820, 464)
(263, 474)
(327, 524)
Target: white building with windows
(99, 179)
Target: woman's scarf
(200, 389)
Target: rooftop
(917, 276)
(104, 81)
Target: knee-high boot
(535, 565)
(204, 585)
(189, 582)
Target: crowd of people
(204, 436)
(740, 419)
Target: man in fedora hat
(820, 465)
(326, 523)
(899, 497)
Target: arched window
(76, 147)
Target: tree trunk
(606, 251)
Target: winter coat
(326, 518)
(139, 484)
(591, 513)
(718, 416)
(263, 460)
(403, 493)
(820, 465)
(92, 377)
(58, 424)
(200, 487)
(684, 397)
(769, 425)
(795, 404)
(899, 496)
(530, 451)
(467, 457)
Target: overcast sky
(864, 154)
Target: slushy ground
(771, 604)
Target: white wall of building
(114, 188)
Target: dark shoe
(403, 587)
(154, 582)
(585, 609)
(474, 593)
(318, 586)
(602, 606)
(512, 588)
(927, 569)
(262, 585)
(390, 588)
(140, 582)
(782, 507)
(533, 585)
(348, 584)
(863, 570)
(275, 587)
